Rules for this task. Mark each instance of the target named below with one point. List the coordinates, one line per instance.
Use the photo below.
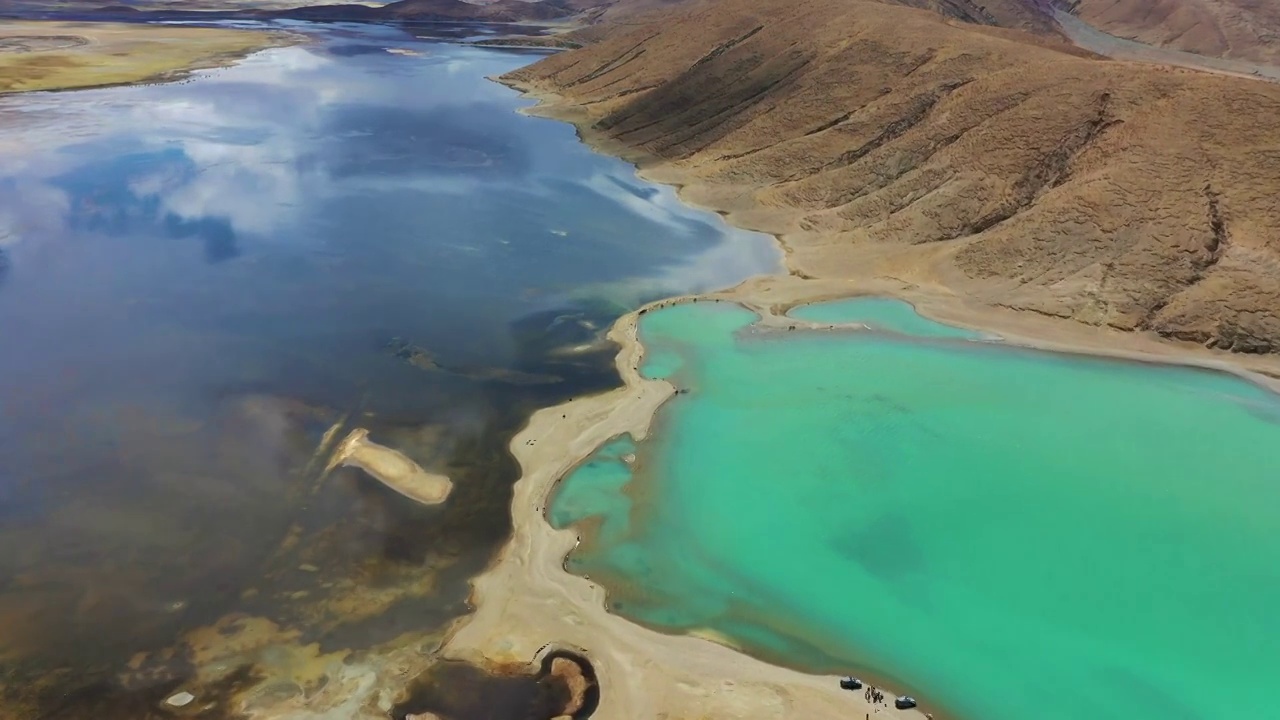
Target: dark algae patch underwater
(563, 686)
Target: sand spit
(391, 468)
(527, 600)
(772, 297)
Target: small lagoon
(883, 314)
(1008, 534)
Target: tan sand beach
(527, 602)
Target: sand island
(391, 468)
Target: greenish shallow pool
(881, 314)
(1008, 534)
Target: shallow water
(1005, 533)
(879, 313)
(201, 279)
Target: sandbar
(391, 468)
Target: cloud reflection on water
(248, 156)
(195, 266)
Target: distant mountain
(500, 11)
(1235, 29)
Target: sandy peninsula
(527, 603)
(39, 55)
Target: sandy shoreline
(526, 602)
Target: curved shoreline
(526, 600)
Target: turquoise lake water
(1008, 534)
(880, 313)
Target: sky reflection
(199, 279)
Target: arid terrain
(1235, 29)
(1007, 168)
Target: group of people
(873, 695)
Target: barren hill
(882, 140)
(1236, 29)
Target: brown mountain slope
(884, 141)
(1021, 14)
(1236, 29)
